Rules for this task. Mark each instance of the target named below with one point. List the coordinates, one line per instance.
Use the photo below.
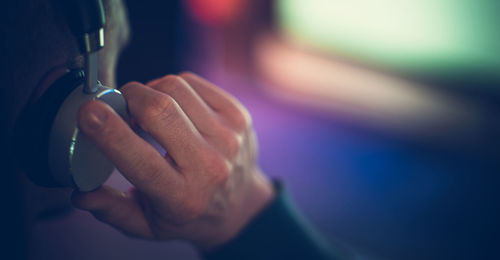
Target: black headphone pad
(32, 130)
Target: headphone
(49, 147)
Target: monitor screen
(423, 36)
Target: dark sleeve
(278, 232)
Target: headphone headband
(86, 20)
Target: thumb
(118, 209)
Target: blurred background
(381, 116)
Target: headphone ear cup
(74, 160)
(33, 128)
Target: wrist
(258, 194)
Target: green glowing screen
(407, 35)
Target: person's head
(37, 49)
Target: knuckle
(191, 208)
(161, 105)
(186, 74)
(173, 85)
(166, 79)
(233, 143)
(217, 168)
(241, 118)
(129, 86)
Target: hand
(205, 189)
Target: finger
(119, 209)
(161, 116)
(143, 165)
(219, 100)
(153, 81)
(191, 103)
(203, 117)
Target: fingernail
(94, 119)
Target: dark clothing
(278, 232)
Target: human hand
(205, 189)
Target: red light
(215, 12)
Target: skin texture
(205, 189)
